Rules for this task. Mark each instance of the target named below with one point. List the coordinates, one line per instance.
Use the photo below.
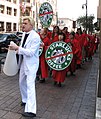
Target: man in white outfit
(28, 52)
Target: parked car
(5, 39)
(19, 34)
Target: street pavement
(76, 99)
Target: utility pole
(56, 18)
(86, 16)
(86, 5)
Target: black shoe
(28, 114)
(78, 66)
(37, 78)
(23, 104)
(42, 80)
(59, 84)
(85, 59)
(72, 74)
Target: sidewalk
(76, 99)
(98, 108)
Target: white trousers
(27, 89)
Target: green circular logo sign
(59, 55)
(46, 14)
(40, 48)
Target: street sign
(59, 55)
(46, 14)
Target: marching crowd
(83, 47)
(30, 64)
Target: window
(26, 1)
(15, 12)
(1, 26)
(14, 1)
(27, 11)
(1, 8)
(8, 27)
(8, 0)
(9, 10)
(14, 27)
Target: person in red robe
(85, 45)
(55, 33)
(90, 46)
(65, 31)
(78, 36)
(74, 43)
(53, 38)
(96, 42)
(43, 64)
(49, 33)
(59, 76)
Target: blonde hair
(29, 19)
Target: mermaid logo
(46, 14)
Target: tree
(82, 22)
(96, 26)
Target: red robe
(49, 34)
(90, 46)
(85, 45)
(80, 44)
(76, 55)
(75, 48)
(54, 39)
(59, 76)
(96, 43)
(43, 63)
(67, 35)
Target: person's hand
(13, 46)
(42, 44)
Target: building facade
(12, 12)
(9, 15)
(65, 22)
